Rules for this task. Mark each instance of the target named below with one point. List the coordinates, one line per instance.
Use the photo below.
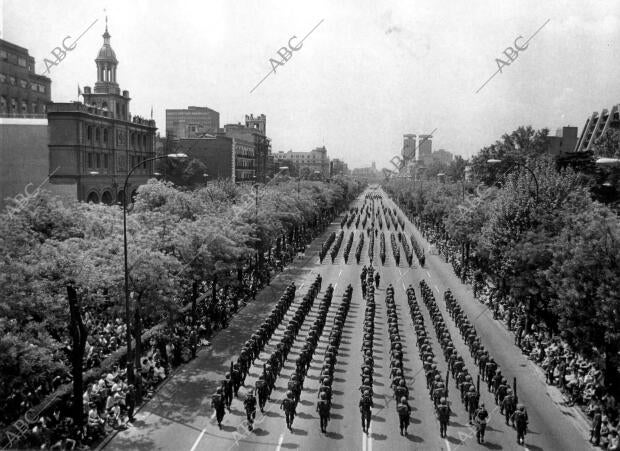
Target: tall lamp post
(130, 375)
(515, 164)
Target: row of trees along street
(62, 272)
(555, 255)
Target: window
(2, 78)
(23, 84)
(21, 61)
(89, 133)
(34, 87)
(105, 136)
(24, 107)
(90, 159)
(13, 106)
(41, 88)
(144, 141)
(105, 161)
(3, 54)
(12, 80)
(133, 140)
(97, 136)
(144, 162)
(98, 160)
(33, 109)
(3, 104)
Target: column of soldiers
(366, 403)
(515, 413)
(395, 248)
(399, 386)
(302, 363)
(470, 395)
(437, 389)
(272, 367)
(250, 350)
(326, 378)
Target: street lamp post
(130, 375)
(206, 177)
(515, 164)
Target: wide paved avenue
(180, 416)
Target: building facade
(254, 131)
(307, 163)
(23, 94)
(564, 141)
(192, 122)
(409, 147)
(596, 126)
(442, 156)
(425, 150)
(338, 167)
(215, 152)
(93, 145)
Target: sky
(370, 72)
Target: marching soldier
(288, 404)
(366, 405)
(404, 411)
(323, 408)
(250, 408)
(480, 420)
(519, 419)
(217, 402)
(508, 405)
(443, 413)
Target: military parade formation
(437, 375)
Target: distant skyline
(371, 72)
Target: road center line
(213, 415)
(280, 440)
(370, 438)
(202, 433)
(364, 441)
(339, 273)
(429, 274)
(437, 289)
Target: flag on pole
(151, 111)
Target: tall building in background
(442, 156)
(409, 147)
(24, 95)
(93, 145)
(425, 149)
(193, 122)
(338, 167)
(596, 126)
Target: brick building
(254, 131)
(23, 93)
(191, 122)
(94, 144)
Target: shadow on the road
(415, 420)
(457, 424)
(305, 403)
(260, 432)
(378, 436)
(305, 416)
(378, 419)
(336, 416)
(414, 438)
(334, 435)
(271, 414)
(228, 428)
(497, 446)
(336, 406)
(289, 445)
(453, 440)
(299, 431)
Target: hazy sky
(372, 71)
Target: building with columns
(93, 145)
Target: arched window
(93, 197)
(97, 134)
(24, 107)
(105, 135)
(106, 198)
(3, 105)
(89, 133)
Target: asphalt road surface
(180, 416)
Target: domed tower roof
(106, 53)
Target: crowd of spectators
(109, 402)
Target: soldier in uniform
(261, 391)
(366, 405)
(480, 420)
(508, 405)
(443, 413)
(323, 408)
(404, 411)
(250, 408)
(217, 402)
(288, 404)
(472, 403)
(519, 419)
